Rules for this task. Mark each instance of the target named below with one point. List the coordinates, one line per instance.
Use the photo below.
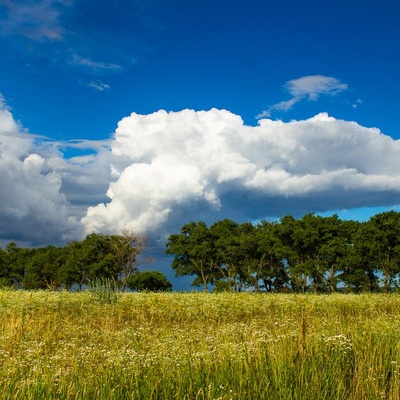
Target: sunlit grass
(199, 346)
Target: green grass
(199, 346)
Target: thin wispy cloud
(96, 66)
(306, 88)
(98, 85)
(357, 103)
(36, 20)
(61, 38)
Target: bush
(152, 281)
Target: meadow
(88, 345)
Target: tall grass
(199, 346)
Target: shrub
(151, 281)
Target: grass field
(198, 346)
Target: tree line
(97, 258)
(314, 253)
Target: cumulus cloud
(43, 194)
(32, 208)
(306, 88)
(161, 170)
(189, 165)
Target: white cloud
(306, 88)
(313, 86)
(33, 208)
(164, 169)
(189, 165)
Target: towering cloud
(164, 169)
(178, 166)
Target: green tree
(5, 278)
(386, 245)
(90, 260)
(380, 242)
(15, 261)
(314, 248)
(100, 258)
(195, 254)
(43, 270)
(225, 234)
(309, 239)
(270, 256)
(288, 233)
(251, 269)
(153, 281)
(358, 269)
(76, 269)
(336, 247)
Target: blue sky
(72, 69)
(149, 114)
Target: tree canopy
(97, 257)
(314, 253)
(149, 281)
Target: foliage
(97, 258)
(194, 251)
(311, 254)
(15, 262)
(225, 234)
(314, 253)
(149, 281)
(383, 237)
